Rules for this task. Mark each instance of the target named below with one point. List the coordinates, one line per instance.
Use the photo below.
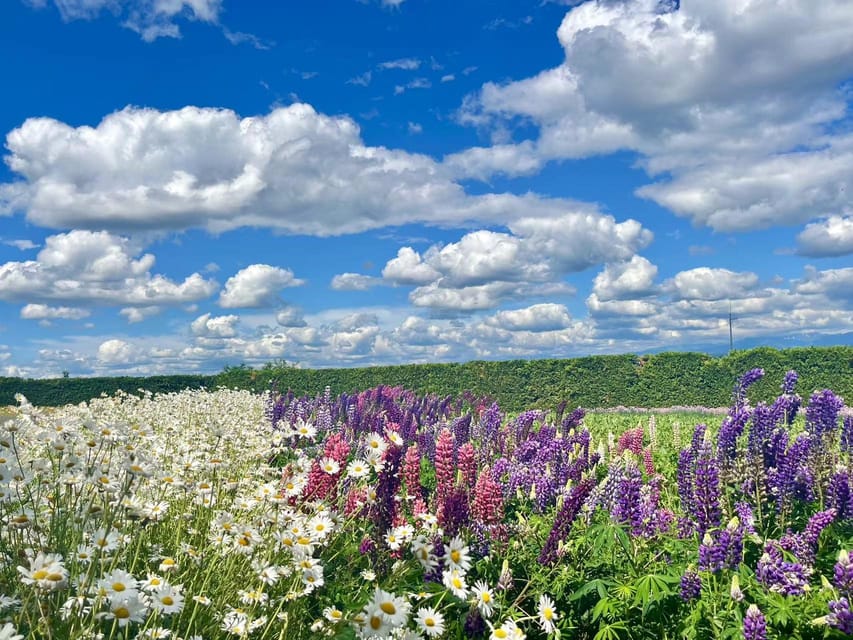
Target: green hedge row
(659, 380)
(53, 392)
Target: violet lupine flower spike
(707, 510)
(840, 617)
(691, 585)
(822, 414)
(847, 435)
(754, 624)
(843, 573)
(564, 519)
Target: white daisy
(395, 608)
(168, 599)
(484, 598)
(430, 622)
(455, 582)
(330, 466)
(358, 469)
(126, 610)
(547, 613)
(457, 555)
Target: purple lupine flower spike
(843, 573)
(691, 585)
(822, 414)
(840, 617)
(847, 435)
(564, 519)
(708, 512)
(754, 624)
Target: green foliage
(54, 392)
(659, 380)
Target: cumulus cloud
(293, 170)
(115, 351)
(705, 283)
(837, 283)
(139, 314)
(830, 237)
(289, 316)
(208, 326)
(45, 312)
(538, 317)
(629, 279)
(257, 285)
(409, 268)
(352, 282)
(96, 268)
(486, 267)
(744, 97)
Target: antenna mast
(731, 335)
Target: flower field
(383, 514)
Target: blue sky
(189, 184)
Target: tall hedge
(663, 379)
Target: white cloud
(414, 128)
(257, 285)
(116, 351)
(208, 326)
(448, 77)
(289, 316)
(745, 193)
(704, 283)
(507, 159)
(45, 312)
(817, 304)
(830, 237)
(409, 64)
(139, 314)
(538, 317)
(293, 170)
(733, 99)
(485, 267)
(352, 282)
(151, 19)
(409, 268)
(23, 245)
(830, 282)
(361, 80)
(622, 280)
(86, 267)
(417, 83)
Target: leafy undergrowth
(221, 514)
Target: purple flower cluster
(840, 616)
(822, 414)
(706, 505)
(839, 495)
(544, 463)
(564, 520)
(754, 624)
(628, 508)
(691, 585)
(847, 435)
(843, 573)
(724, 549)
(780, 575)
